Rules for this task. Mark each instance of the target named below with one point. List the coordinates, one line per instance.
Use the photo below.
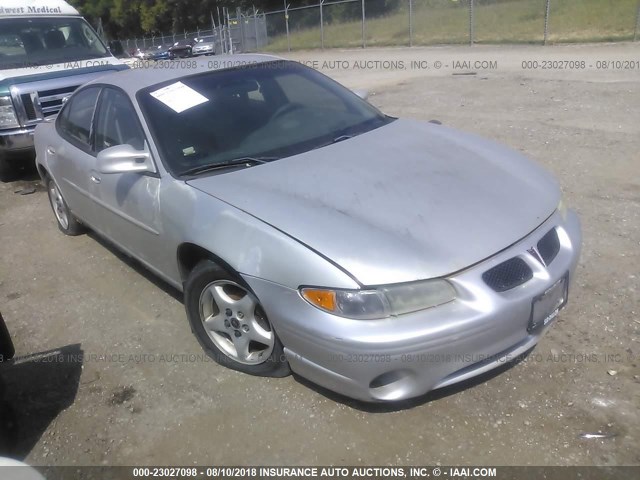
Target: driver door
(128, 203)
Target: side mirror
(124, 159)
(363, 94)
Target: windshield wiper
(236, 162)
(340, 138)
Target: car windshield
(26, 42)
(265, 111)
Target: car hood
(404, 202)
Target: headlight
(381, 302)
(8, 117)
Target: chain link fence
(367, 23)
(242, 32)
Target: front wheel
(230, 324)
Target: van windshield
(31, 42)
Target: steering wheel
(285, 109)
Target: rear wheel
(67, 223)
(230, 324)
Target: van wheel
(8, 170)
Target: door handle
(51, 151)
(95, 179)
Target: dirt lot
(144, 395)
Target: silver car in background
(378, 257)
(204, 46)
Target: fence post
(364, 41)
(286, 20)
(546, 20)
(229, 32)
(255, 27)
(411, 23)
(471, 24)
(240, 20)
(321, 26)
(223, 48)
(636, 31)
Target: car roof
(135, 79)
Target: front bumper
(407, 356)
(16, 141)
(208, 51)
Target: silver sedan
(378, 257)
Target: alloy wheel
(236, 323)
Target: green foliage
(131, 18)
(435, 21)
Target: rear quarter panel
(45, 135)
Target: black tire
(7, 350)
(8, 170)
(201, 277)
(73, 226)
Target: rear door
(71, 157)
(128, 203)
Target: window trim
(91, 148)
(94, 122)
(86, 148)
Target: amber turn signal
(325, 299)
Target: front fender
(248, 245)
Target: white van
(47, 50)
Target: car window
(301, 90)
(75, 119)
(117, 122)
(277, 110)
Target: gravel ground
(145, 395)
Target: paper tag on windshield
(179, 97)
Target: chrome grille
(51, 100)
(508, 275)
(40, 105)
(29, 106)
(35, 101)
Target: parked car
(378, 257)
(204, 46)
(117, 50)
(46, 52)
(161, 52)
(141, 53)
(182, 48)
